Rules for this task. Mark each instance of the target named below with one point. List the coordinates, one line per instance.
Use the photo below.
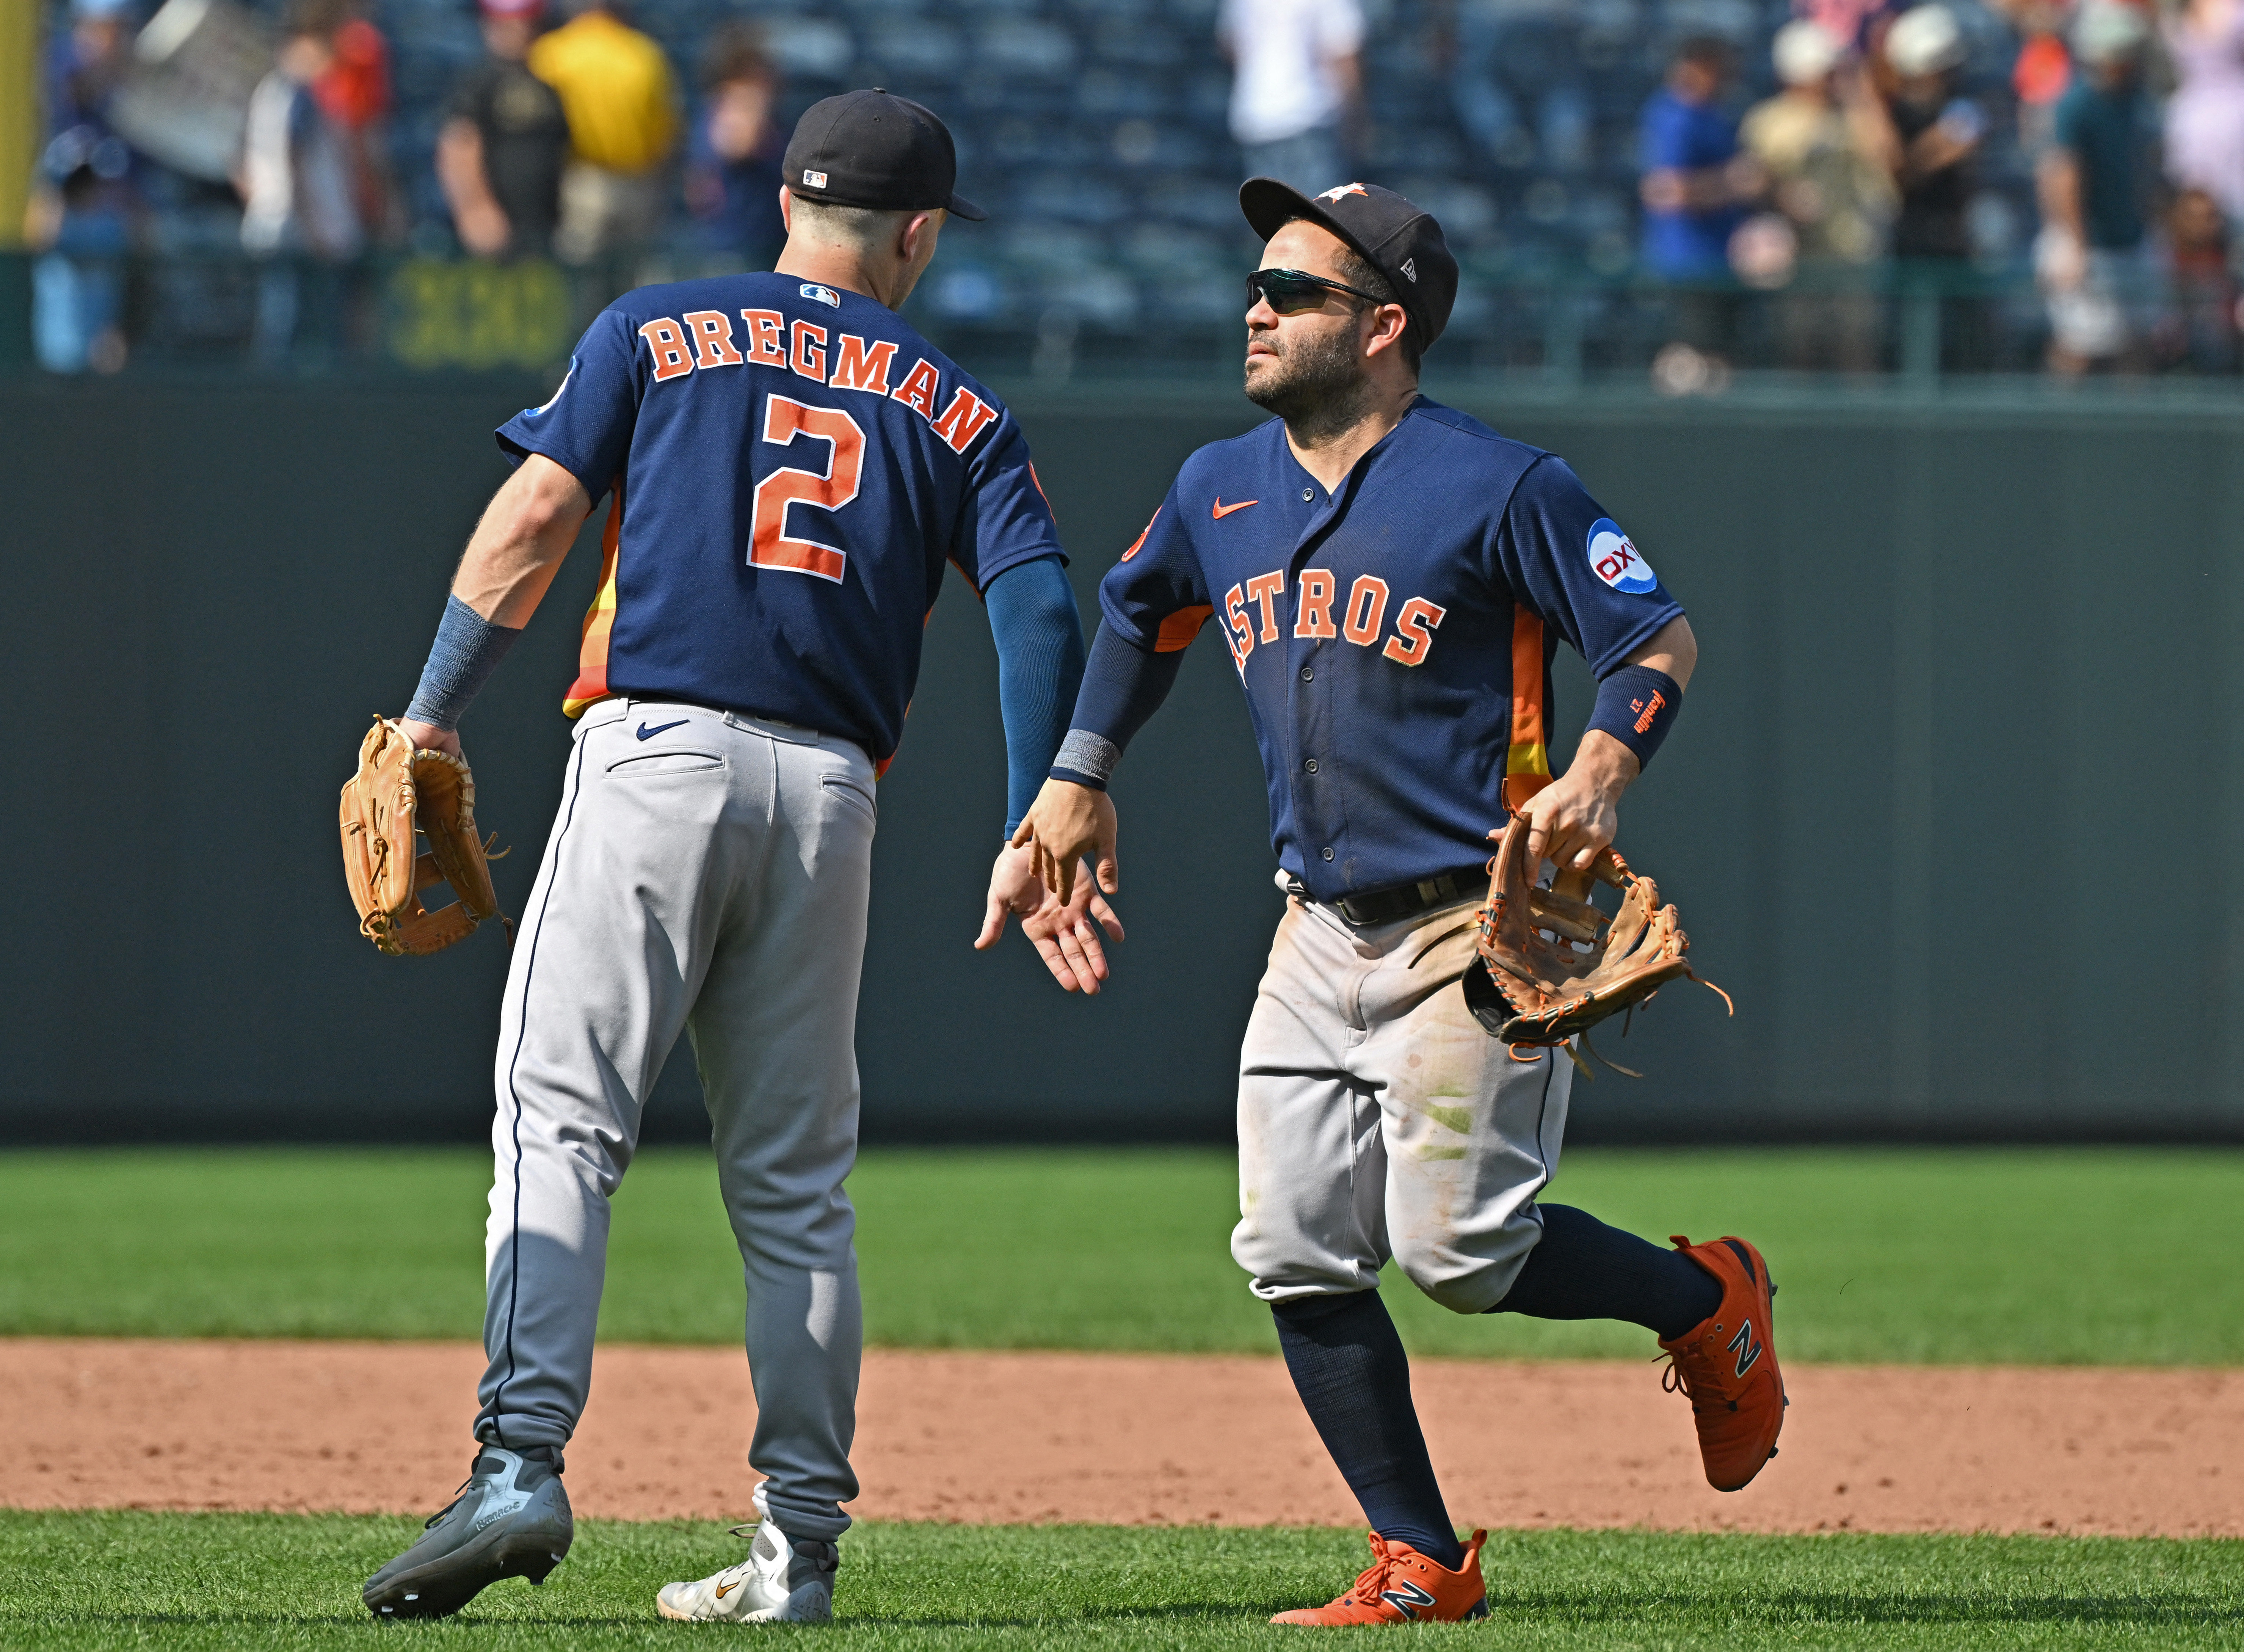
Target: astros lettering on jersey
(1394, 637)
(821, 423)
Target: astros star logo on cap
(1335, 193)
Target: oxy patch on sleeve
(1615, 559)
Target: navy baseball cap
(875, 149)
(1395, 236)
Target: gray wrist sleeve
(467, 649)
(1088, 754)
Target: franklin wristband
(468, 648)
(1086, 758)
(1636, 707)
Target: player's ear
(1388, 323)
(786, 209)
(919, 229)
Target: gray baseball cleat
(511, 1520)
(782, 1580)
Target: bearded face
(1313, 374)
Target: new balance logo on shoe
(1406, 1597)
(1746, 1347)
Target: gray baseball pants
(708, 872)
(1378, 1120)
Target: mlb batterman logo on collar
(875, 149)
(1399, 239)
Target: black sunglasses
(1292, 292)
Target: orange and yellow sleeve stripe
(1527, 765)
(591, 685)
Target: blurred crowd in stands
(1693, 186)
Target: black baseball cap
(1395, 236)
(875, 149)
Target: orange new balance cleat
(1402, 1585)
(1727, 1365)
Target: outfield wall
(1954, 814)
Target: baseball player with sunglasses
(1391, 579)
(790, 468)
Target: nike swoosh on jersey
(645, 732)
(1223, 510)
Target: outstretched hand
(1068, 823)
(1062, 930)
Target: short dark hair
(1709, 51)
(1358, 271)
(857, 227)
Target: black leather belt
(1408, 900)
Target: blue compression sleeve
(1123, 686)
(467, 650)
(1039, 637)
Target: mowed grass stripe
(2111, 1256)
(89, 1581)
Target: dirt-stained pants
(1377, 1119)
(709, 873)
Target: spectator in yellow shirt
(621, 101)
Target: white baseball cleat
(781, 1581)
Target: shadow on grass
(1779, 1612)
(1600, 1613)
(1776, 1608)
(466, 1622)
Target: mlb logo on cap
(814, 179)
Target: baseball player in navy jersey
(1391, 579)
(788, 467)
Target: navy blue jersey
(791, 466)
(1394, 637)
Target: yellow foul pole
(19, 113)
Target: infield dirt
(1124, 1439)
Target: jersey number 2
(769, 545)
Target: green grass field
(2096, 1256)
(198, 1582)
(2114, 1256)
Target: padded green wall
(1954, 811)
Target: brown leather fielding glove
(400, 789)
(1533, 984)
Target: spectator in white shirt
(300, 217)
(1298, 86)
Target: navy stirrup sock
(1582, 1269)
(1349, 1367)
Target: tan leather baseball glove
(398, 790)
(1551, 967)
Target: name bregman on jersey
(702, 340)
